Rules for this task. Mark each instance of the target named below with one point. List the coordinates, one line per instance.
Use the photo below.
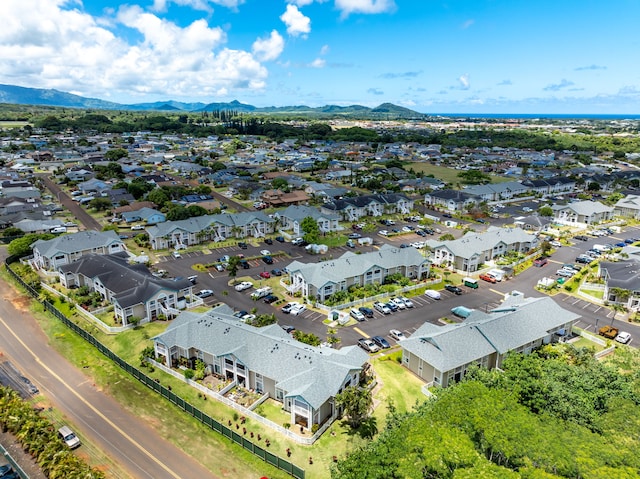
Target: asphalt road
(486, 297)
(97, 417)
(78, 211)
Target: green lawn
(448, 175)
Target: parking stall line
(598, 309)
(576, 301)
(586, 306)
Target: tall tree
(311, 230)
(356, 402)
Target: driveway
(78, 211)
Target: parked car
(280, 239)
(432, 293)
(7, 472)
(399, 303)
(244, 285)
(581, 238)
(137, 227)
(608, 332)
(565, 273)
(265, 275)
(539, 262)
(555, 244)
(288, 329)
(357, 315)
(69, 437)
(297, 242)
(381, 307)
(453, 289)
(205, 293)
(397, 335)
(407, 302)
(421, 233)
(623, 337)
(368, 312)
(383, 233)
(59, 229)
(243, 245)
(489, 278)
(276, 272)
(368, 345)
(244, 264)
(392, 306)
(267, 259)
(447, 215)
(270, 298)
(268, 241)
(298, 309)
(381, 342)
(355, 236)
(286, 309)
(265, 252)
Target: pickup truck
(608, 332)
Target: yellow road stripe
(496, 291)
(359, 331)
(89, 405)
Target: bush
(568, 287)
(189, 373)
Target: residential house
(451, 200)
(304, 379)
(35, 225)
(582, 213)
(497, 191)
(533, 222)
(132, 289)
(468, 253)
(53, 253)
(550, 186)
(320, 280)
(629, 207)
(441, 355)
(354, 208)
(622, 280)
(200, 229)
(79, 174)
(118, 196)
(279, 198)
(148, 216)
(291, 219)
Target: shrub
(189, 373)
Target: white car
(623, 337)
(407, 302)
(397, 335)
(244, 285)
(399, 303)
(432, 293)
(286, 309)
(565, 273)
(406, 229)
(383, 233)
(137, 227)
(357, 315)
(265, 252)
(205, 293)
(176, 254)
(297, 310)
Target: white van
(497, 273)
(69, 437)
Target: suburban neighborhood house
(352, 209)
(132, 289)
(53, 253)
(582, 213)
(320, 280)
(441, 355)
(200, 229)
(629, 206)
(452, 200)
(305, 379)
(291, 218)
(466, 254)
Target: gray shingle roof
(584, 208)
(314, 373)
(516, 323)
(199, 223)
(299, 212)
(476, 243)
(71, 243)
(351, 264)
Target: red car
(265, 275)
(488, 277)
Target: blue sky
(454, 56)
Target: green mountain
(36, 96)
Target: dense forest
(555, 413)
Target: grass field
(448, 175)
(12, 124)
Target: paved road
(98, 417)
(78, 211)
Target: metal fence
(163, 391)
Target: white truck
(261, 292)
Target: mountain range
(18, 95)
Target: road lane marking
(88, 404)
(361, 332)
(496, 291)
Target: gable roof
(362, 201)
(199, 223)
(517, 322)
(584, 208)
(476, 243)
(74, 242)
(314, 373)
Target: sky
(452, 56)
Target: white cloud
(204, 5)
(318, 63)
(302, 3)
(464, 81)
(297, 24)
(564, 83)
(324, 50)
(45, 43)
(347, 7)
(467, 24)
(268, 49)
